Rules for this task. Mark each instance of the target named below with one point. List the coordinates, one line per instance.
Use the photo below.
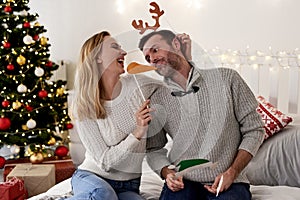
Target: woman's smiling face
(112, 56)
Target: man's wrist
(165, 171)
(233, 172)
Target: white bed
(282, 182)
(274, 172)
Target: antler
(139, 26)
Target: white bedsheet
(151, 191)
(151, 183)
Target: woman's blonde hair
(87, 103)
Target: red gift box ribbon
(17, 184)
(14, 181)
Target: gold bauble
(9, 1)
(36, 158)
(16, 105)
(52, 141)
(60, 91)
(24, 127)
(43, 41)
(21, 60)
(37, 24)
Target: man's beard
(172, 65)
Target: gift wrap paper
(13, 189)
(37, 178)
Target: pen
(219, 185)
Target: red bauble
(2, 162)
(10, 67)
(28, 108)
(4, 123)
(26, 25)
(6, 45)
(5, 103)
(61, 151)
(43, 94)
(36, 37)
(7, 9)
(49, 64)
(69, 125)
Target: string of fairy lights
(254, 58)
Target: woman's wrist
(140, 132)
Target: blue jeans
(196, 191)
(88, 186)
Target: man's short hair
(166, 35)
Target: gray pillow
(278, 160)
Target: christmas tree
(33, 107)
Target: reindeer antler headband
(139, 26)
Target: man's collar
(194, 74)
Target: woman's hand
(143, 118)
(186, 45)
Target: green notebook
(185, 166)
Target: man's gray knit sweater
(212, 123)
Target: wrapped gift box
(37, 178)
(13, 189)
(64, 169)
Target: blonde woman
(112, 120)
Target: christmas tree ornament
(21, 60)
(36, 37)
(52, 141)
(43, 41)
(36, 158)
(6, 45)
(28, 40)
(2, 162)
(23, 13)
(43, 94)
(31, 124)
(69, 125)
(9, 1)
(4, 123)
(49, 64)
(60, 91)
(5, 103)
(10, 67)
(37, 24)
(7, 9)
(22, 88)
(14, 149)
(26, 25)
(61, 151)
(39, 71)
(16, 105)
(24, 127)
(29, 108)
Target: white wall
(232, 24)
